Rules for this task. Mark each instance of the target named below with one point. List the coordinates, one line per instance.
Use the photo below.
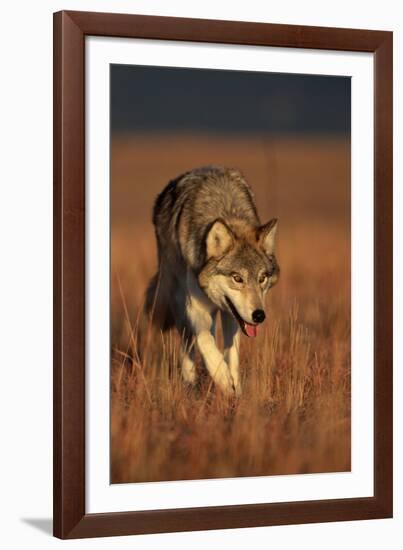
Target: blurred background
(165, 99)
(288, 133)
(290, 136)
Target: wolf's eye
(263, 278)
(237, 278)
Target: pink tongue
(251, 330)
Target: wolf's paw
(189, 376)
(224, 381)
(238, 389)
(188, 370)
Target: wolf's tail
(157, 302)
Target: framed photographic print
(223, 274)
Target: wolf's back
(188, 206)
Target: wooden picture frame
(70, 517)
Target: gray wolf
(214, 256)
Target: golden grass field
(294, 413)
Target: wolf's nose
(258, 316)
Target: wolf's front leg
(187, 351)
(201, 316)
(202, 321)
(215, 362)
(187, 358)
(231, 335)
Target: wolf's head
(240, 268)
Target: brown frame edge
(70, 519)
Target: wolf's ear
(267, 236)
(219, 240)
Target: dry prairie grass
(294, 413)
